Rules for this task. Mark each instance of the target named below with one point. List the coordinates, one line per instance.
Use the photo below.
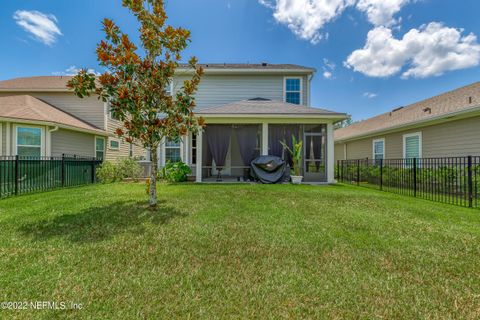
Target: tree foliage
(135, 85)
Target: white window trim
(373, 147)
(110, 146)
(42, 137)
(1, 138)
(415, 134)
(285, 88)
(95, 146)
(163, 157)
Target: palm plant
(296, 153)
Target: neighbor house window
(130, 150)
(172, 151)
(412, 145)
(29, 141)
(293, 90)
(100, 148)
(114, 144)
(379, 149)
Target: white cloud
(306, 18)
(428, 51)
(42, 26)
(328, 68)
(370, 95)
(73, 70)
(381, 12)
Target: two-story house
(248, 108)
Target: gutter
(412, 124)
(55, 125)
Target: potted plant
(296, 153)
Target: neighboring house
(39, 116)
(447, 125)
(248, 108)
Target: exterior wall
(124, 147)
(450, 139)
(215, 90)
(72, 142)
(89, 109)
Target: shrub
(107, 172)
(127, 168)
(175, 172)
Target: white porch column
(330, 154)
(264, 139)
(199, 164)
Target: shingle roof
(25, 107)
(453, 101)
(253, 66)
(47, 83)
(259, 106)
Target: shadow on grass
(101, 223)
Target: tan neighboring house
(39, 116)
(446, 125)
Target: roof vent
(427, 109)
(397, 109)
(259, 99)
(264, 64)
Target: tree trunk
(153, 178)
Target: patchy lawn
(239, 251)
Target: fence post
(470, 182)
(381, 174)
(63, 170)
(358, 172)
(414, 177)
(16, 174)
(338, 169)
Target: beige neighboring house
(446, 125)
(39, 116)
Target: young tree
(135, 85)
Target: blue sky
(371, 55)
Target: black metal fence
(453, 180)
(20, 175)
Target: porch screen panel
(276, 133)
(247, 142)
(218, 137)
(290, 130)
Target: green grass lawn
(239, 251)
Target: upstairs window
(293, 90)
(379, 149)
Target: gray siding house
(446, 125)
(253, 107)
(248, 108)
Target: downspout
(310, 77)
(49, 150)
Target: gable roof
(253, 66)
(27, 108)
(464, 99)
(40, 83)
(260, 106)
